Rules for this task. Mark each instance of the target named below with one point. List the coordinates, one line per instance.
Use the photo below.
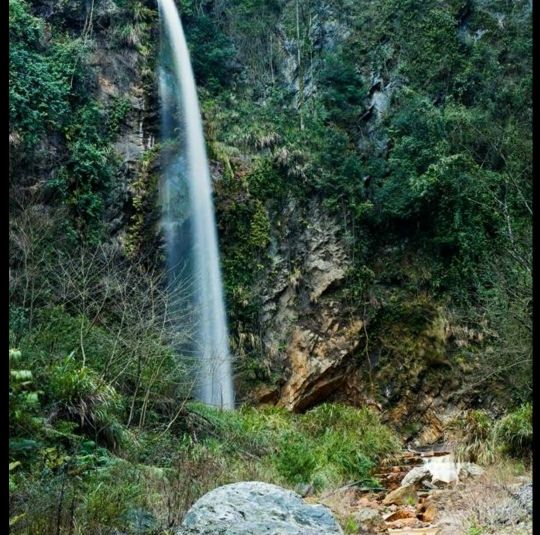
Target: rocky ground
(427, 493)
(423, 493)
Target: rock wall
(306, 332)
(396, 356)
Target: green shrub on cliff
(516, 433)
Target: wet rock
(256, 508)
(469, 470)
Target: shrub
(477, 444)
(325, 446)
(514, 432)
(295, 459)
(484, 439)
(23, 398)
(82, 394)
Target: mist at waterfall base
(188, 220)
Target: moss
(141, 228)
(222, 154)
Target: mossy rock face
(411, 332)
(414, 370)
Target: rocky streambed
(424, 493)
(431, 493)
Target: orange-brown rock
(404, 522)
(428, 513)
(317, 364)
(400, 514)
(401, 496)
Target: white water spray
(215, 385)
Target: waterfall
(188, 219)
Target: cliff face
(111, 71)
(395, 353)
(374, 243)
(305, 330)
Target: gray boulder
(470, 470)
(416, 475)
(256, 508)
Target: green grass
(486, 440)
(327, 446)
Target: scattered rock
(404, 495)
(369, 519)
(416, 475)
(256, 508)
(523, 495)
(403, 522)
(427, 512)
(304, 489)
(469, 470)
(516, 509)
(400, 514)
(368, 503)
(417, 531)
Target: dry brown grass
(479, 506)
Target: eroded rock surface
(305, 326)
(256, 508)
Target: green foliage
(245, 228)
(342, 89)
(351, 526)
(118, 113)
(485, 440)
(477, 444)
(23, 399)
(212, 53)
(265, 181)
(295, 460)
(84, 180)
(515, 433)
(83, 395)
(326, 446)
(40, 76)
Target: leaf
(23, 444)
(14, 465)
(14, 519)
(21, 374)
(14, 354)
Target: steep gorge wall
(402, 346)
(119, 44)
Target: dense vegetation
(444, 171)
(409, 121)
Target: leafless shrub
(145, 316)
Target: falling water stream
(188, 219)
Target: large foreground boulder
(256, 508)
